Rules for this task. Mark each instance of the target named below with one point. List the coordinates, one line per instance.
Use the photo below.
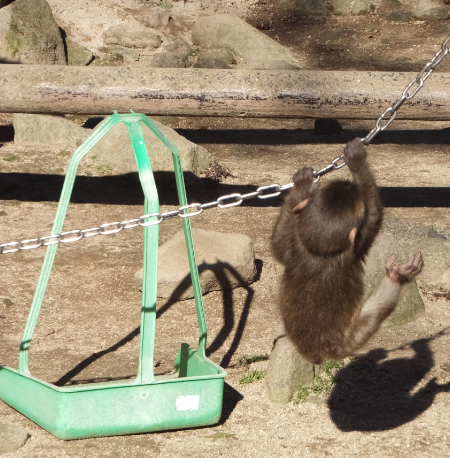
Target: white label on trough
(188, 402)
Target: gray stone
(287, 370)
(7, 302)
(171, 43)
(333, 34)
(77, 54)
(398, 16)
(121, 35)
(445, 29)
(31, 129)
(353, 7)
(227, 31)
(154, 16)
(109, 60)
(113, 150)
(410, 304)
(436, 256)
(29, 34)
(225, 261)
(430, 10)
(313, 9)
(12, 437)
(223, 58)
(169, 60)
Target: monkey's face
(333, 210)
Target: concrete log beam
(205, 92)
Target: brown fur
(322, 284)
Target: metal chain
(235, 199)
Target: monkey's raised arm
(283, 241)
(355, 158)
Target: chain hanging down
(235, 199)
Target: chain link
(235, 199)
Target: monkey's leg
(376, 309)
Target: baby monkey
(322, 237)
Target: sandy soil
(88, 328)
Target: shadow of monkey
(375, 395)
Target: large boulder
(410, 304)
(114, 149)
(47, 130)
(132, 43)
(394, 10)
(430, 10)
(225, 261)
(12, 438)
(29, 34)
(227, 31)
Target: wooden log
(205, 92)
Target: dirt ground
(384, 404)
(88, 328)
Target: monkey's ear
(352, 235)
(300, 206)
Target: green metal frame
(190, 396)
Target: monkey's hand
(406, 272)
(303, 181)
(355, 155)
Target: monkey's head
(330, 220)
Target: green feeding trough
(189, 396)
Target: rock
(109, 60)
(287, 370)
(171, 43)
(222, 58)
(313, 9)
(430, 10)
(127, 37)
(333, 34)
(12, 437)
(327, 127)
(114, 149)
(436, 256)
(227, 31)
(154, 16)
(398, 16)
(29, 34)
(353, 7)
(7, 302)
(169, 60)
(445, 30)
(410, 304)
(225, 261)
(31, 129)
(77, 54)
